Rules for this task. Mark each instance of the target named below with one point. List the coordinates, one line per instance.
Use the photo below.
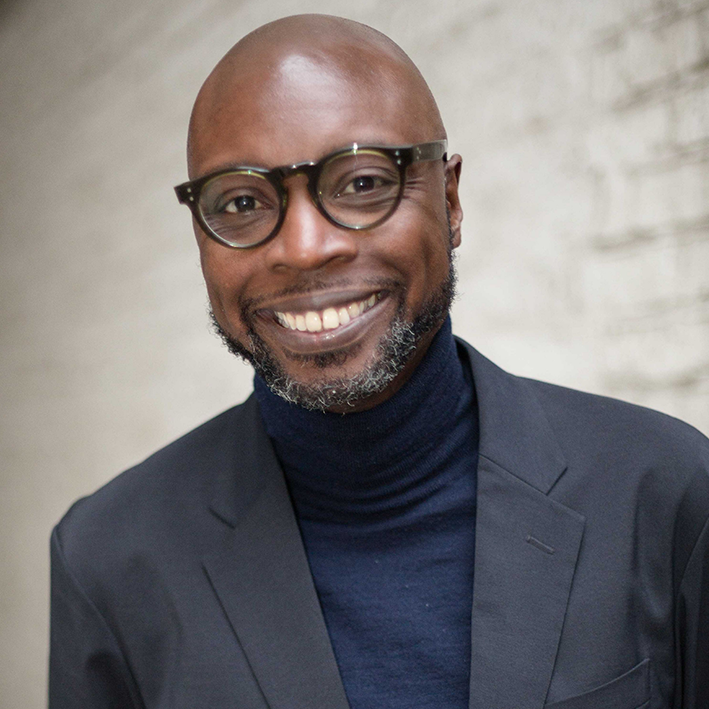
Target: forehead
(302, 107)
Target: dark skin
(293, 91)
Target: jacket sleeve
(692, 627)
(87, 669)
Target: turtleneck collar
(377, 460)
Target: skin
(295, 90)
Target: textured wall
(588, 192)
(585, 132)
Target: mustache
(313, 285)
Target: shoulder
(614, 459)
(586, 427)
(605, 429)
(630, 461)
(161, 502)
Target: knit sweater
(385, 500)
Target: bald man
(390, 521)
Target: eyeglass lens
(356, 189)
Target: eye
(362, 184)
(243, 204)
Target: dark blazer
(183, 583)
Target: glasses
(356, 188)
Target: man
(390, 521)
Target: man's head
(331, 317)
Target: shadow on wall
(7, 7)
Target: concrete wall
(585, 132)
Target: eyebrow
(233, 165)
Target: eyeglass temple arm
(184, 193)
(430, 151)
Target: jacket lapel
(526, 546)
(261, 575)
(525, 556)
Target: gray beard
(394, 349)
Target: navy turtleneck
(385, 499)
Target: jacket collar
(514, 431)
(514, 434)
(526, 547)
(261, 575)
(525, 556)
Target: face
(332, 318)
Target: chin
(336, 382)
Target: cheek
(223, 277)
(420, 252)
(213, 277)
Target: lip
(319, 300)
(304, 343)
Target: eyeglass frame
(402, 156)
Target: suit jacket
(183, 583)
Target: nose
(307, 241)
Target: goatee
(393, 351)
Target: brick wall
(585, 132)
(649, 149)
(588, 261)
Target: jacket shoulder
(587, 431)
(593, 422)
(165, 496)
(655, 463)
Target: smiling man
(390, 521)
(339, 273)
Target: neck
(364, 461)
(379, 398)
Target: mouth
(331, 318)
(327, 322)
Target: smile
(328, 319)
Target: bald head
(325, 70)
(289, 95)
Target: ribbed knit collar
(375, 461)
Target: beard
(393, 351)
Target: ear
(452, 175)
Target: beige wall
(585, 132)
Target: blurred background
(584, 128)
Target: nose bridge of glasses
(288, 173)
(306, 168)
(305, 238)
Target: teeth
(328, 319)
(313, 321)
